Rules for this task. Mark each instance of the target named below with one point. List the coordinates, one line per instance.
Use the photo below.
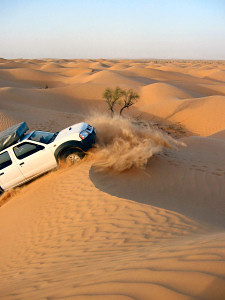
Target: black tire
(72, 156)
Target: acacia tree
(129, 98)
(125, 98)
(112, 96)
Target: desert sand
(146, 225)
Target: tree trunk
(121, 110)
(112, 112)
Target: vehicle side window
(5, 160)
(26, 149)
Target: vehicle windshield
(43, 137)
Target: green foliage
(125, 98)
(130, 97)
(108, 96)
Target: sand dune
(119, 66)
(34, 78)
(219, 135)
(202, 116)
(51, 66)
(177, 181)
(99, 65)
(6, 121)
(217, 75)
(111, 78)
(206, 118)
(112, 246)
(88, 91)
(72, 72)
(154, 230)
(160, 91)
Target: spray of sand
(6, 196)
(122, 144)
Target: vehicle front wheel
(72, 156)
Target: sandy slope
(152, 233)
(65, 237)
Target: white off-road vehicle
(25, 156)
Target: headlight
(84, 134)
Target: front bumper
(88, 142)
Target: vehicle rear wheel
(72, 156)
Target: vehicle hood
(73, 129)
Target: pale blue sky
(192, 29)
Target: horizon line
(119, 58)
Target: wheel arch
(65, 146)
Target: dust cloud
(122, 144)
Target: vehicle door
(10, 174)
(34, 159)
